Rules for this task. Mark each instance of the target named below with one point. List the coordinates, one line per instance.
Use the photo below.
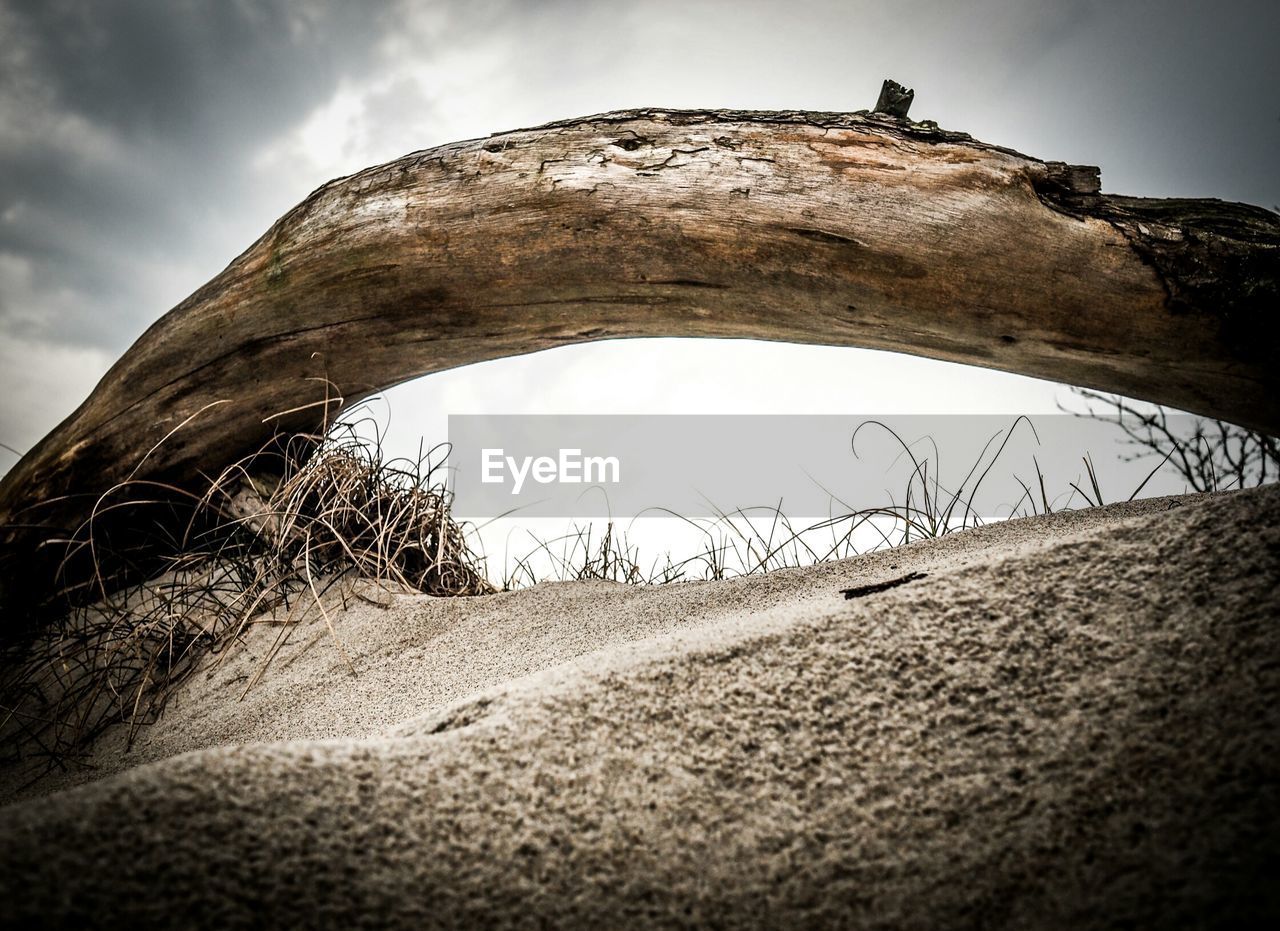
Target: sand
(1067, 722)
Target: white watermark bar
(622, 466)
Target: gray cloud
(189, 74)
(132, 121)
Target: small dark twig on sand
(877, 587)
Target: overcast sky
(145, 143)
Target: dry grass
(271, 538)
(1213, 456)
(754, 540)
(311, 520)
(581, 555)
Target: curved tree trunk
(840, 229)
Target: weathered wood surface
(830, 228)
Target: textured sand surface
(1069, 722)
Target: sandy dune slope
(1067, 722)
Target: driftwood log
(832, 228)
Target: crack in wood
(823, 236)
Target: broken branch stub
(894, 100)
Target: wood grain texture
(837, 229)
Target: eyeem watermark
(805, 465)
(570, 467)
